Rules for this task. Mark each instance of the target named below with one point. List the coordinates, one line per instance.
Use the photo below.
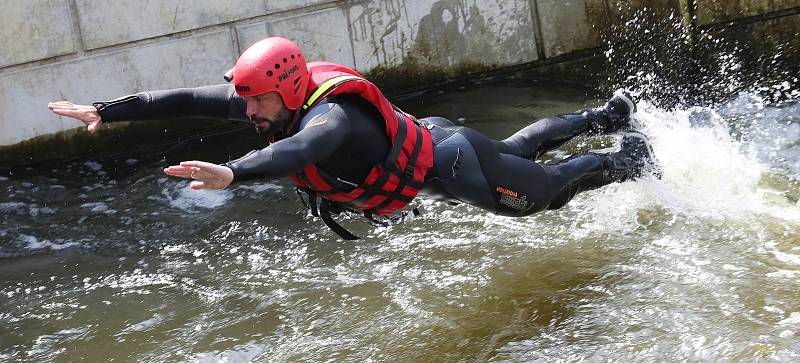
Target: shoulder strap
(326, 87)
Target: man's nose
(251, 109)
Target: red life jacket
(389, 186)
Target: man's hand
(206, 175)
(86, 114)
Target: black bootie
(615, 115)
(634, 159)
(589, 171)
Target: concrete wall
(87, 50)
(716, 11)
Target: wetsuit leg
(544, 135)
(511, 185)
(576, 174)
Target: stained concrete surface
(105, 23)
(34, 29)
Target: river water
(104, 258)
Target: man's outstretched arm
(217, 102)
(315, 143)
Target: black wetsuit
(344, 136)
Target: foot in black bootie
(615, 115)
(634, 159)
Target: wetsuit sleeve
(314, 143)
(216, 102)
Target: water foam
(188, 199)
(707, 171)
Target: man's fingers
(197, 164)
(206, 175)
(61, 107)
(190, 172)
(59, 104)
(202, 168)
(197, 185)
(178, 171)
(94, 126)
(63, 111)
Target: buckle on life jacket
(324, 209)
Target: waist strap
(325, 209)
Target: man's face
(268, 112)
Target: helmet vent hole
(277, 66)
(277, 85)
(297, 80)
(292, 56)
(285, 60)
(269, 73)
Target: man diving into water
(345, 145)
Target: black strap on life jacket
(326, 209)
(323, 209)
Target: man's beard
(277, 125)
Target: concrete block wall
(51, 31)
(88, 50)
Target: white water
(709, 234)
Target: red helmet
(272, 65)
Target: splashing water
(714, 245)
(707, 172)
